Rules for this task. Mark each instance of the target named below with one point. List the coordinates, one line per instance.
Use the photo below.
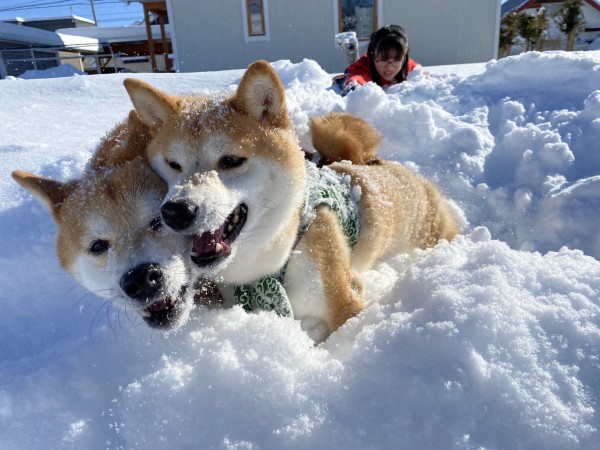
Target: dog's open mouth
(163, 313)
(213, 246)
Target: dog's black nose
(178, 214)
(143, 281)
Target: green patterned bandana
(328, 187)
(266, 294)
(325, 187)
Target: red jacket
(360, 71)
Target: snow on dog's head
(235, 172)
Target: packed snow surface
(489, 342)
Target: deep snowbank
(491, 341)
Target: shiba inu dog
(110, 235)
(264, 222)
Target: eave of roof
(45, 19)
(110, 35)
(37, 37)
(512, 5)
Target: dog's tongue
(207, 242)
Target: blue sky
(108, 12)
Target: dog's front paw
(316, 328)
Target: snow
(489, 342)
(64, 70)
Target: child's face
(388, 68)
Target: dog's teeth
(236, 218)
(230, 228)
(218, 247)
(145, 313)
(172, 301)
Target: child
(385, 63)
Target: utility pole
(94, 12)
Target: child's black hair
(390, 40)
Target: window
(358, 16)
(256, 17)
(255, 20)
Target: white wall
(209, 34)
(447, 31)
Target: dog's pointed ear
(261, 95)
(49, 192)
(153, 105)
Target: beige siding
(209, 34)
(447, 31)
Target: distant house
(556, 39)
(128, 48)
(39, 44)
(229, 34)
(25, 48)
(53, 23)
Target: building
(203, 35)
(25, 48)
(40, 44)
(230, 34)
(128, 48)
(555, 39)
(54, 23)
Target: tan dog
(110, 236)
(260, 215)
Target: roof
(36, 37)
(511, 5)
(44, 19)
(116, 34)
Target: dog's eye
(99, 246)
(155, 224)
(173, 165)
(231, 162)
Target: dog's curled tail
(340, 136)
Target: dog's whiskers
(105, 303)
(110, 324)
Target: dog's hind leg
(323, 262)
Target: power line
(112, 14)
(29, 6)
(54, 4)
